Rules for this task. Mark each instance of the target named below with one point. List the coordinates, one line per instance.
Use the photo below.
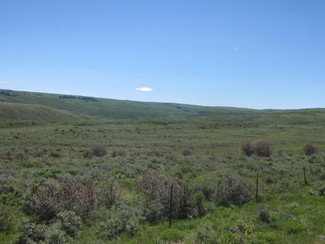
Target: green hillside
(20, 111)
(109, 108)
(232, 175)
(19, 105)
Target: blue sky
(239, 53)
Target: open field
(92, 178)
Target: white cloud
(144, 89)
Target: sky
(237, 53)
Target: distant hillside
(109, 108)
(18, 111)
(19, 105)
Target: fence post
(170, 205)
(305, 179)
(257, 186)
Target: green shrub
(264, 238)
(41, 233)
(54, 234)
(315, 159)
(232, 189)
(267, 216)
(55, 154)
(5, 217)
(206, 233)
(310, 149)
(6, 185)
(109, 193)
(99, 150)
(172, 235)
(157, 196)
(290, 226)
(207, 186)
(89, 153)
(262, 149)
(119, 153)
(123, 219)
(248, 148)
(240, 230)
(197, 204)
(32, 163)
(52, 198)
(187, 152)
(31, 232)
(70, 222)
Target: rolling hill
(20, 105)
(20, 111)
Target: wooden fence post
(171, 205)
(305, 179)
(257, 186)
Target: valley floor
(111, 183)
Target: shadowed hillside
(21, 111)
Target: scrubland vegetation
(235, 177)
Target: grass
(17, 111)
(197, 151)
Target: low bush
(172, 235)
(88, 153)
(55, 235)
(122, 219)
(70, 222)
(240, 231)
(5, 217)
(31, 163)
(207, 186)
(310, 149)
(206, 233)
(260, 148)
(157, 197)
(248, 148)
(264, 238)
(52, 198)
(41, 233)
(119, 153)
(109, 193)
(267, 216)
(99, 150)
(290, 226)
(232, 189)
(31, 232)
(187, 152)
(55, 154)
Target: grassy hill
(19, 105)
(109, 181)
(108, 108)
(33, 112)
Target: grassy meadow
(103, 171)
